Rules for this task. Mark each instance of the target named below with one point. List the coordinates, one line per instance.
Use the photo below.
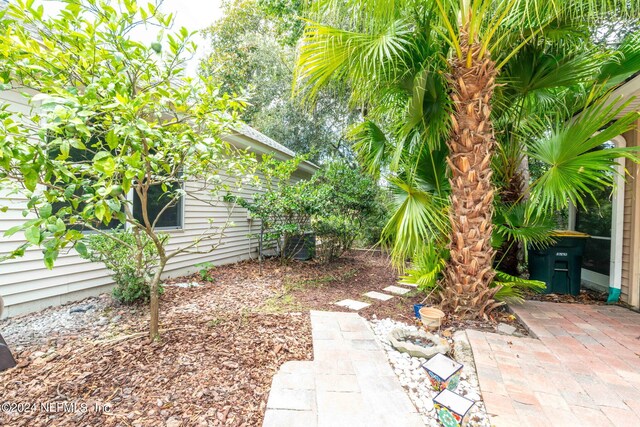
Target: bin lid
(569, 233)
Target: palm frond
(574, 164)
(428, 107)
(419, 216)
(426, 268)
(623, 65)
(373, 14)
(515, 224)
(329, 52)
(537, 68)
(591, 10)
(512, 288)
(371, 146)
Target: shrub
(336, 233)
(337, 204)
(287, 211)
(131, 270)
(352, 202)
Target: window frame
(131, 196)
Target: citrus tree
(117, 136)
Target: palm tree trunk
(469, 271)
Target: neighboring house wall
(26, 285)
(630, 292)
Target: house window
(77, 156)
(157, 200)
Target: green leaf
(104, 162)
(50, 255)
(112, 140)
(100, 212)
(64, 149)
(32, 234)
(13, 230)
(81, 248)
(30, 179)
(60, 226)
(46, 210)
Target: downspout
(614, 295)
(617, 229)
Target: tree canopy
(253, 53)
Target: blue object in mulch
(416, 309)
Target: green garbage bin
(560, 264)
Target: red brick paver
(580, 367)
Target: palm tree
(429, 70)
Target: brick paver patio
(349, 383)
(581, 367)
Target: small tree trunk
(154, 304)
(469, 272)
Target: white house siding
(630, 292)
(26, 285)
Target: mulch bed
(307, 285)
(213, 365)
(221, 344)
(203, 372)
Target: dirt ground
(221, 344)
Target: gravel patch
(91, 318)
(414, 378)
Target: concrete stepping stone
(352, 304)
(396, 290)
(413, 285)
(378, 295)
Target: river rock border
(414, 378)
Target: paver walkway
(583, 369)
(349, 383)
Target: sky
(192, 14)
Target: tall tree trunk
(469, 271)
